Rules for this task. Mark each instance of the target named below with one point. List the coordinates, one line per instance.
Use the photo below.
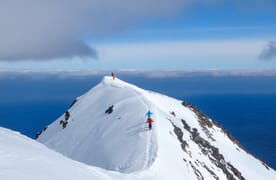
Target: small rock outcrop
(109, 110)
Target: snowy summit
(107, 129)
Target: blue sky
(229, 34)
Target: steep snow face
(24, 159)
(106, 127)
(116, 140)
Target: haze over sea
(243, 104)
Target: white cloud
(72, 73)
(269, 52)
(48, 29)
(199, 54)
(207, 29)
(181, 50)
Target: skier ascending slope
(113, 75)
(149, 114)
(150, 121)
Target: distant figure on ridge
(113, 75)
(149, 114)
(150, 121)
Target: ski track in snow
(150, 135)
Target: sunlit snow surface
(120, 145)
(22, 158)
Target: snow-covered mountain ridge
(106, 127)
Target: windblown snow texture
(107, 128)
(22, 158)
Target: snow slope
(184, 143)
(22, 158)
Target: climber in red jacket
(150, 121)
(113, 75)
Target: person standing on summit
(113, 75)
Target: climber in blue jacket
(149, 114)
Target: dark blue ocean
(246, 106)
